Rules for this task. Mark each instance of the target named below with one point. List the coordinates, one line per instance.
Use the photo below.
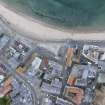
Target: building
(77, 55)
(72, 55)
(74, 94)
(94, 53)
(61, 101)
(44, 64)
(47, 101)
(88, 97)
(81, 83)
(71, 80)
(54, 70)
(68, 57)
(5, 80)
(101, 78)
(101, 66)
(53, 88)
(47, 88)
(16, 53)
(80, 75)
(33, 66)
(92, 73)
(6, 87)
(4, 39)
(78, 72)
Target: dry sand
(35, 29)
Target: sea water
(70, 13)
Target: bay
(68, 13)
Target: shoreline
(78, 29)
(36, 29)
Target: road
(23, 80)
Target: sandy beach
(35, 29)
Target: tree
(4, 101)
